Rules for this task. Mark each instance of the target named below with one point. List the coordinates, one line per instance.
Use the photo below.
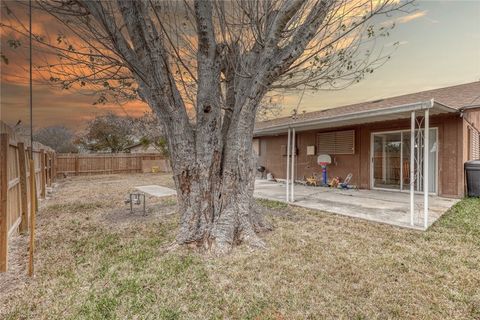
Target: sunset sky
(439, 46)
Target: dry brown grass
(96, 261)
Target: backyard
(95, 260)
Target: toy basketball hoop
(324, 160)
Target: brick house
(381, 143)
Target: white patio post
(426, 151)
(292, 193)
(419, 163)
(412, 166)
(384, 159)
(288, 167)
(401, 161)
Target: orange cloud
(52, 106)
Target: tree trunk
(239, 53)
(216, 205)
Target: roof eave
(360, 115)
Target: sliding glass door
(391, 160)
(386, 160)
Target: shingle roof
(455, 97)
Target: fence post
(54, 167)
(23, 187)
(43, 177)
(4, 142)
(76, 165)
(104, 164)
(31, 151)
(33, 210)
(49, 168)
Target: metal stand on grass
(136, 199)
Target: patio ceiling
(354, 118)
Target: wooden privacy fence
(15, 197)
(14, 187)
(86, 164)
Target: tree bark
(216, 205)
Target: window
(336, 142)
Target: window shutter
(345, 142)
(475, 147)
(336, 142)
(326, 143)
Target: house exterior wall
(451, 154)
(472, 117)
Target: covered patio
(386, 149)
(374, 205)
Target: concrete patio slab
(380, 206)
(157, 191)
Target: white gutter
(361, 114)
(469, 107)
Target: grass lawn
(97, 261)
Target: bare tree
(58, 138)
(204, 68)
(148, 131)
(108, 133)
(268, 109)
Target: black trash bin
(472, 172)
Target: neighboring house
(372, 140)
(141, 148)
